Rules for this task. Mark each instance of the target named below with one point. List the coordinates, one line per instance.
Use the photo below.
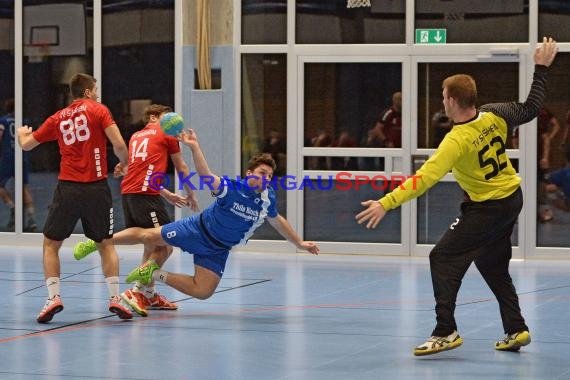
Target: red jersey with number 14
(149, 150)
(80, 132)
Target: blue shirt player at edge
(239, 209)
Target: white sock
(147, 291)
(52, 284)
(159, 275)
(113, 285)
(138, 287)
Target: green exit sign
(431, 36)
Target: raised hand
(188, 137)
(544, 54)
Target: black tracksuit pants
(482, 234)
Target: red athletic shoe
(117, 306)
(51, 308)
(159, 302)
(137, 301)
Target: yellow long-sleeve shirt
(475, 152)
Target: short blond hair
(462, 88)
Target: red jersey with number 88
(149, 150)
(80, 132)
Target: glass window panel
(331, 22)
(138, 70)
(469, 21)
(264, 118)
(437, 209)
(263, 22)
(432, 123)
(50, 60)
(7, 127)
(553, 17)
(371, 163)
(330, 210)
(343, 104)
(553, 182)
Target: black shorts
(91, 202)
(146, 211)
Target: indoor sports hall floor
(278, 317)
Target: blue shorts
(187, 235)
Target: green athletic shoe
(143, 273)
(83, 249)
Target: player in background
(7, 170)
(82, 193)
(149, 150)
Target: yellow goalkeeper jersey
(475, 152)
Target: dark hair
(9, 105)
(462, 88)
(155, 110)
(260, 159)
(79, 83)
(568, 154)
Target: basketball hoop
(358, 3)
(44, 50)
(38, 52)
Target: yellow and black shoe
(513, 342)
(437, 344)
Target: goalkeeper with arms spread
(475, 152)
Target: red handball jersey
(80, 132)
(392, 120)
(149, 150)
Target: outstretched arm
(190, 139)
(284, 228)
(516, 113)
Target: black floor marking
(63, 278)
(114, 315)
